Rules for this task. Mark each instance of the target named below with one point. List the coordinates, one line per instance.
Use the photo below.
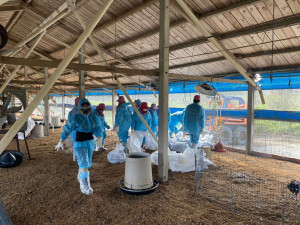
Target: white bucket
(138, 171)
(55, 120)
(38, 131)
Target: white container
(55, 120)
(38, 131)
(138, 171)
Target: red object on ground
(219, 147)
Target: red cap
(77, 101)
(144, 108)
(121, 99)
(101, 107)
(197, 97)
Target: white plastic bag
(134, 144)
(179, 147)
(181, 162)
(150, 144)
(30, 126)
(117, 156)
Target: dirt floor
(45, 190)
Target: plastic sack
(206, 140)
(182, 162)
(133, 143)
(30, 126)
(117, 156)
(150, 144)
(179, 147)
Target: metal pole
(82, 74)
(50, 82)
(136, 110)
(11, 76)
(46, 105)
(114, 95)
(163, 163)
(250, 120)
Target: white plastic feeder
(55, 120)
(38, 131)
(138, 171)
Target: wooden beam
(33, 82)
(239, 56)
(50, 82)
(3, 1)
(46, 106)
(74, 66)
(183, 21)
(163, 131)
(53, 18)
(82, 74)
(11, 76)
(12, 8)
(130, 12)
(187, 13)
(202, 78)
(250, 120)
(262, 27)
(114, 99)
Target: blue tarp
(279, 81)
(260, 114)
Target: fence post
(231, 191)
(282, 204)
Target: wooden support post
(26, 85)
(82, 74)
(46, 106)
(250, 120)
(63, 113)
(114, 95)
(163, 161)
(53, 78)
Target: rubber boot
(102, 147)
(84, 181)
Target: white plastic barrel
(38, 131)
(55, 120)
(138, 171)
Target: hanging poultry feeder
(56, 121)
(206, 89)
(138, 175)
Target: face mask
(86, 110)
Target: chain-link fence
(264, 198)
